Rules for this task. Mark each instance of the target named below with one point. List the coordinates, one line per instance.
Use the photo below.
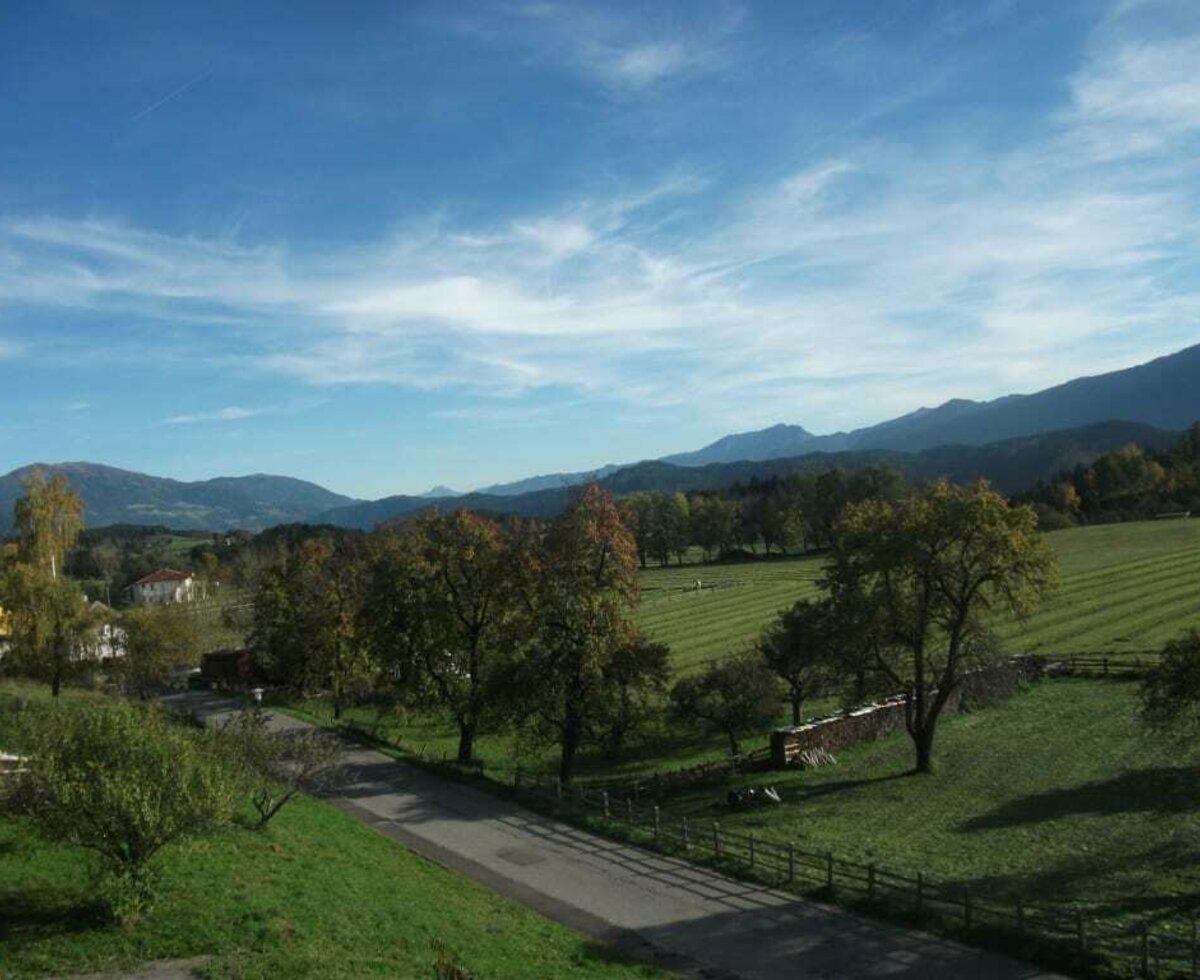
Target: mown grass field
(1123, 587)
(316, 895)
(1057, 795)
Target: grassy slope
(1058, 794)
(318, 895)
(1123, 587)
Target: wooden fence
(1111, 664)
(1062, 935)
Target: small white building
(165, 585)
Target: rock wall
(874, 721)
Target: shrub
(120, 780)
(274, 766)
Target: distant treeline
(783, 513)
(1129, 483)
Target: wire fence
(1063, 935)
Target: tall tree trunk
(55, 684)
(923, 742)
(733, 745)
(466, 741)
(571, 736)
(797, 703)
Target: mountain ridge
(116, 496)
(1160, 395)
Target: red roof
(164, 575)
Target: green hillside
(318, 894)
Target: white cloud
(960, 272)
(625, 54)
(1138, 97)
(230, 414)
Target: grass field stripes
(1122, 587)
(1066, 934)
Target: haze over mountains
(1014, 441)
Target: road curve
(681, 916)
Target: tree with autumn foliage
(579, 582)
(443, 605)
(923, 578)
(305, 618)
(51, 621)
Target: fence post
(1145, 950)
(629, 810)
(558, 788)
(966, 908)
(871, 882)
(1021, 917)
(604, 797)
(792, 866)
(685, 834)
(920, 891)
(1079, 928)
(657, 824)
(829, 869)
(752, 850)
(716, 839)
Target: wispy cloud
(958, 269)
(232, 413)
(624, 54)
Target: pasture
(1123, 587)
(1056, 796)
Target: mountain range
(1014, 441)
(116, 496)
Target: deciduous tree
(803, 648)
(157, 639)
(579, 592)
(925, 576)
(736, 697)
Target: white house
(165, 585)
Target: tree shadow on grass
(40, 914)
(1111, 886)
(845, 785)
(1162, 790)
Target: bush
(274, 766)
(120, 780)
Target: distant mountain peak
(441, 490)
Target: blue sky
(385, 245)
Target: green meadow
(1123, 587)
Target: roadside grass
(317, 894)
(1057, 795)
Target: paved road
(690, 919)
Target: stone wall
(873, 721)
